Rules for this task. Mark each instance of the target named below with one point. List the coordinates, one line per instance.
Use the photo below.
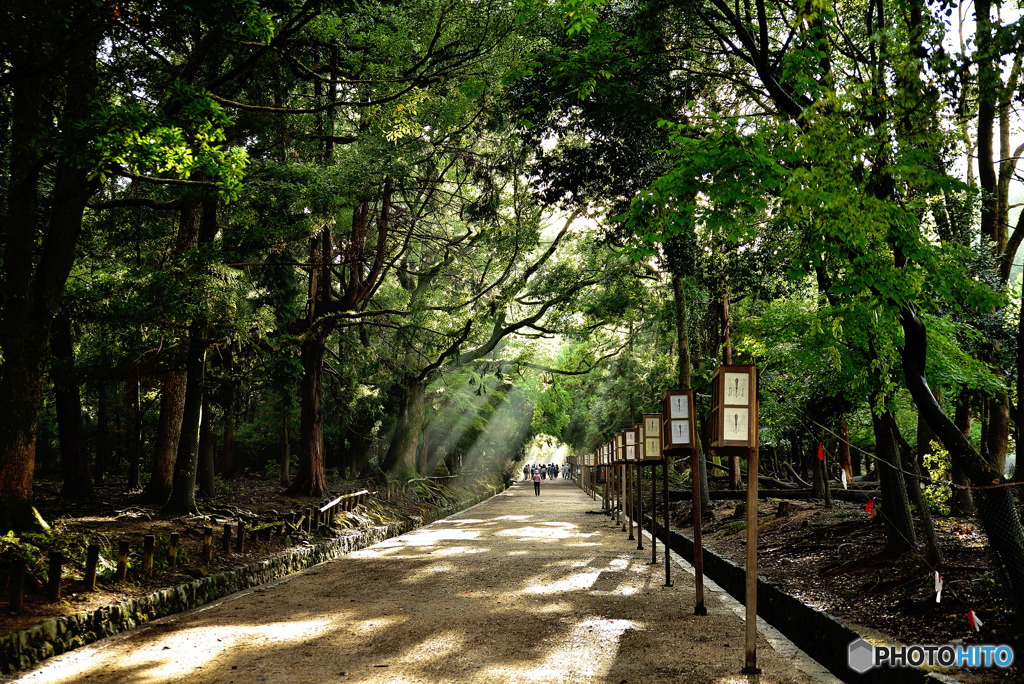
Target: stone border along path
(22, 649)
(517, 589)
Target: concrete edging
(19, 650)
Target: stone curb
(19, 650)
(818, 634)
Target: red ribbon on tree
(870, 508)
(821, 453)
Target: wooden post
(226, 541)
(654, 514)
(305, 519)
(698, 547)
(122, 561)
(148, 545)
(17, 584)
(92, 559)
(241, 537)
(172, 551)
(53, 576)
(315, 518)
(640, 506)
(208, 544)
(628, 483)
(668, 530)
(751, 667)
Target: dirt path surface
(517, 589)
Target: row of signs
(733, 422)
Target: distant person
(526, 472)
(536, 484)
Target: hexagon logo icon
(862, 656)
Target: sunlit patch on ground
(575, 582)
(458, 551)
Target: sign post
(733, 433)
(651, 438)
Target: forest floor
(115, 515)
(834, 559)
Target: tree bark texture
(186, 463)
(134, 432)
(104, 443)
(168, 433)
(402, 450)
(33, 278)
(996, 505)
(74, 456)
(206, 470)
(311, 479)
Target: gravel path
(517, 589)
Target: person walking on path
(536, 484)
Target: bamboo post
(751, 667)
(17, 584)
(53, 576)
(148, 545)
(92, 559)
(698, 547)
(668, 530)
(241, 537)
(122, 561)
(226, 540)
(208, 544)
(640, 506)
(172, 550)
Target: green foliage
(937, 466)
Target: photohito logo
(863, 656)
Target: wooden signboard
(652, 436)
(631, 445)
(678, 420)
(734, 407)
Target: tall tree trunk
(229, 464)
(135, 431)
(996, 506)
(34, 278)
(998, 430)
(988, 98)
(962, 503)
(844, 449)
(685, 378)
(286, 454)
(74, 457)
(206, 484)
(899, 525)
(104, 444)
(311, 480)
(168, 432)
(186, 464)
(402, 450)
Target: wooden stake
(241, 537)
(226, 540)
(172, 551)
(92, 559)
(53, 576)
(148, 545)
(208, 544)
(122, 561)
